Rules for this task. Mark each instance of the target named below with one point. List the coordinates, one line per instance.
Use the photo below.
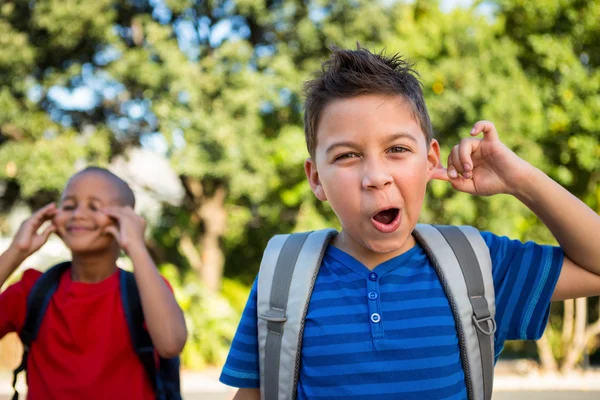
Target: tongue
(386, 216)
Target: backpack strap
(37, 303)
(140, 338)
(463, 264)
(288, 261)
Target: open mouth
(387, 220)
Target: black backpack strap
(37, 303)
(140, 338)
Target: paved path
(525, 395)
(205, 386)
(500, 396)
(560, 395)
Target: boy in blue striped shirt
(379, 324)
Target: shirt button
(373, 276)
(373, 295)
(375, 318)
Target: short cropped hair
(350, 73)
(125, 193)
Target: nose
(79, 212)
(376, 176)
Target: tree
(559, 45)
(216, 87)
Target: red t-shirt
(83, 349)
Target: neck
(368, 257)
(92, 268)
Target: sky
(448, 5)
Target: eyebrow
(391, 138)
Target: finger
(114, 232)
(456, 160)
(43, 214)
(488, 129)
(465, 150)
(452, 173)
(115, 212)
(40, 239)
(440, 173)
(462, 184)
(47, 232)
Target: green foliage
(211, 319)
(236, 293)
(227, 111)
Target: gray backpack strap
(462, 261)
(286, 278)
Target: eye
(398, 149)
(346, 156)
(68, 207)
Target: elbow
(168, 353)
(173, 347)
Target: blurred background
(197, 104)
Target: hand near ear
(484, 166)
(27, 240)
(129, 228)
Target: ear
(310, 168)
(435, 169)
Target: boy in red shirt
(83, 348)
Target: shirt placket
(374, 302)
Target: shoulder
(506, 246)
(22, 287)
(13, 302)
(28, 280)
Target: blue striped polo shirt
(390, 332)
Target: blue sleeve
(525, 275)
(241, 368)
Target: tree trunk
(209, 218)
(214, 218)
(577, 345)
(546, 356)
(568, 319)
(189, 249)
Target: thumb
(112, 230)
(439, 173)
(39, 240)
(47, 232)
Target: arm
(164, 318)
(26, 241)
(576, 228)
(486, 167)
(241, 369)
(247, 394)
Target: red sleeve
(13, 302)
(168, 283)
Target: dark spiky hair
(351, 73)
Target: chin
(388, 245)
(87, 248)
(383, 248)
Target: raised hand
(484, 166)
(27, 240)
(129, 228)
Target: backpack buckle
(275, 318)
(274, 315)
(491, 324)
